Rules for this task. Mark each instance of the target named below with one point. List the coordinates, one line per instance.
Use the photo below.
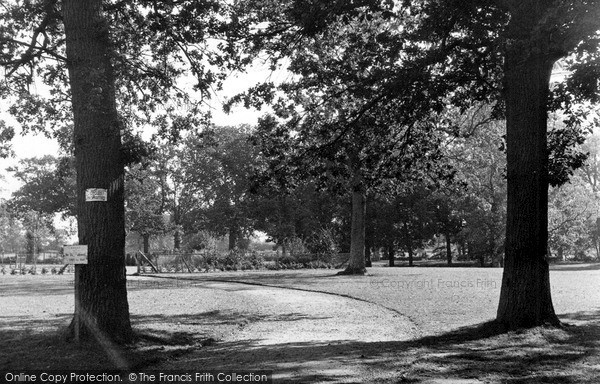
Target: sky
(38, 145)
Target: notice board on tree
(75, 254)
(96, 194)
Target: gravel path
(307, 326)
(437, 300)
(301, 336)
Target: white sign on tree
(75, 254)
(96, 194)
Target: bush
(256, 260)
(232, 260)
(295, 246)
(583, 257)
(318, 264)
(322, 243)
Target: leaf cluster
(158, 47)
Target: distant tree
(302, 212)
(477, 153)
(590, 172)
(11, 230)
(145, 205)
(48, 186)
(37, 232)
(591, 168)
(218, 163)
(572, 215)
(402, 220)
(448, 220)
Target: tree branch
(28, 55)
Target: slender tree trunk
(177, 233)
(390, 252)
(525, 299)
(177, 239)
(492, 249)
(408, 242)
(146, 238)
(234, 236)
(368, 252)
(448, 248)
(100, 292)
(597, 239)
(356, 265)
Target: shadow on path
(540, 355)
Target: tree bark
(101, 292)
(448, 248)
(368, 252)
(146, 238)
(177, 233)
(177, 239)
(409, 244)
(525, 299)
(356, 265)
(234, 236)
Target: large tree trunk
(100, 291)
(357, 265)
(525, 299)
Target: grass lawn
(186, 323)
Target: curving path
(302, 336)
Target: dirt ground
(396, 325)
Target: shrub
(583, 257)
(318, 264)
(232, 259)
(322, 243)
(288, 262)
(295, 246)
(256, 260)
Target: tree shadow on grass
(36, 286)
(539, 355)
(35, 343)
